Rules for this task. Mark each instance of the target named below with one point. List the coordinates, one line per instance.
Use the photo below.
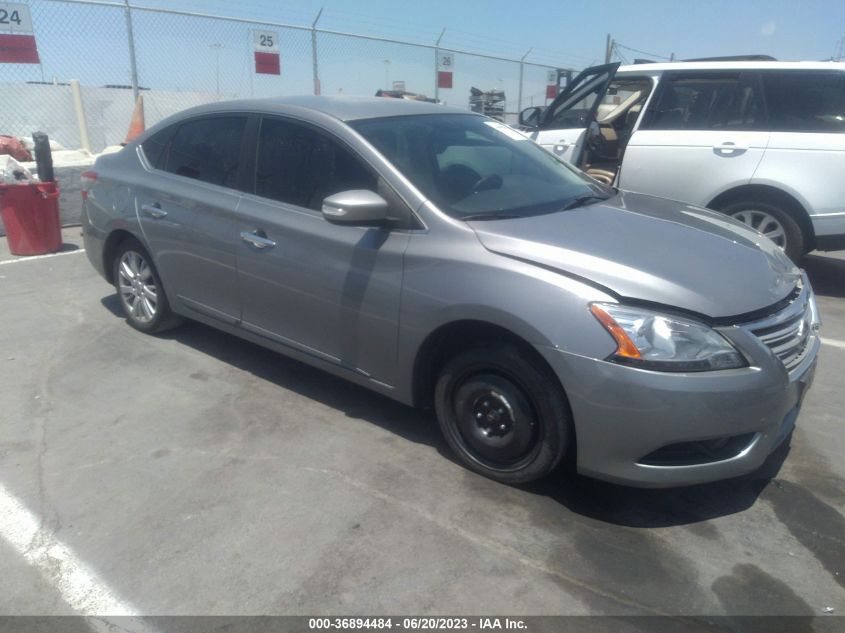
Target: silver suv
(761, 141)
(443, 259)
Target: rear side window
(706, 102)
(208, 150)
(155, 148)
(301, 166)
(802, 101)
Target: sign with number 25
(266, 41)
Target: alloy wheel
(138, 290)
(764, 223)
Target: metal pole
(521, 68)
(436, 62)
(133, 67)
(216, 47)
(249, 49)
(608, 49)
(81, 121)
(315, 70)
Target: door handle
(153, 210)
(729, 147)
(257, 240)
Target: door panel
(564, 124)
(327, 289)
(703, 133)
(690, 166)
(811, 167)
(191, 245)
(186, 206)
(806, 153)
(565, 144)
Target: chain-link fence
(95, 57)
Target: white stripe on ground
(78, 584)
(833, 342)
(34, 257)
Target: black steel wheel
(503, 414)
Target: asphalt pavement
(195, 473)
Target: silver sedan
(443, 259)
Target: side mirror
(358, 207)
(530, 117)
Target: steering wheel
(458, 181)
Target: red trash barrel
(31, 216)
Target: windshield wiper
(489, 216)
(580, 201)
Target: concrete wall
(27, 108)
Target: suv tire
(773, 221)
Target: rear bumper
(623, 414)
(94, 240)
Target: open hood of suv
(652, 249)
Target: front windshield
(474, 167)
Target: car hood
(652, 249)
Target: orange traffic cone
(136, 127)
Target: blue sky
(573, 31)
(177, 53)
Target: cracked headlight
(664, 342)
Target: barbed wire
(182, 59)
(641, 52)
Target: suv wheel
(140, 291)
(502, 415)
(772, 221)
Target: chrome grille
(789, 336)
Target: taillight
(88, 178)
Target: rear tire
(140, 291)
(502, 414)
(773, 221)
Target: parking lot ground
(194, 473)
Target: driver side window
(575, 110)
(298, 165)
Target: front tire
(772, 221)
(140, 290)
(503, 415)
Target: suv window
(706, 102)
(802, 101)
(301, 166)
(208, 150)
(575, 110)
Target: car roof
(344, 108)
(632, 69)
